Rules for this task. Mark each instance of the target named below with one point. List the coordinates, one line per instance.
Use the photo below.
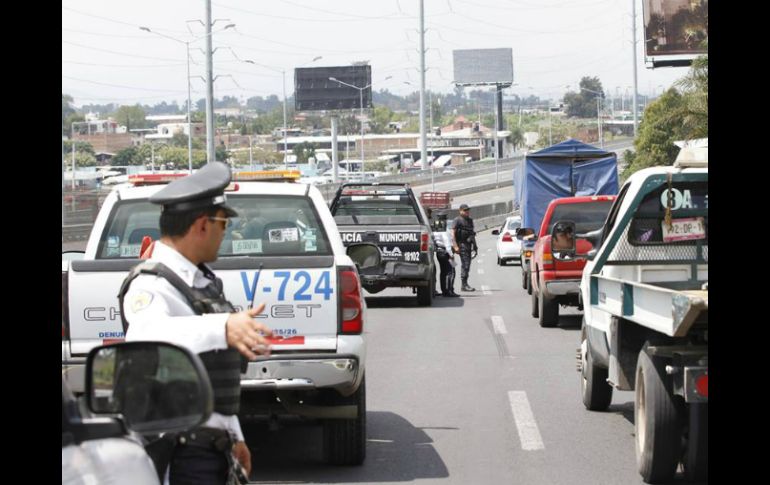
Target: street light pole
(361, 97)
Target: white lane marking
(486, 290)
(481, 271)
(489, 249)
(480, 261)
(525, 421)
(498, 324)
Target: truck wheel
(524, 277)
(344, 440)
(529, 282)
(696, 459)
(597, 394)
(656, 421)
(535, 308)
(500, 262)
(425, 295)
(549, 312)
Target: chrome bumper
(562, 287)
(301, 373)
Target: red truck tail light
(507, 237)
(424, 241)
(351, 307)
(65, 328)
(702, 385)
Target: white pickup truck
(283, 250)
(645, 327)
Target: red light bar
(155, 178)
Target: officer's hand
(246, 335)
(456, 248)
(243, 455)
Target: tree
(381, 116)
(131, 116)
(695, 109)
(583, 103)
(303, 151)
(516, 137)
(66, 106)
(128, 156)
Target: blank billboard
(674, 29)
(483, 66)
(315, 91)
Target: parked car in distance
(449, 171)
(508, 247)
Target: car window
(515, 224)
(266, 224)
(587, 216)
(689, 201)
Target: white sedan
(508, 247)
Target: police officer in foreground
(175, 297)
(465, 243)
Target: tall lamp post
(598, 114)
(361, 97)
(189, 102)
(283, 76)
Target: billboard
(313, 90)
(674, 30)
(483, 66)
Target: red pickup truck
(555, 282)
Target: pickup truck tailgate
(397, 243)
(301, 304)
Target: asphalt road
(442, 386)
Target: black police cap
(464, 207)
(202, 190)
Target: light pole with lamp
(361, 97)
(598, 113)
(283, 76)
(189, 101)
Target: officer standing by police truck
(465, 243)
(175, 297)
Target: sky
(106, 58)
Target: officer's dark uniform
(465, 237)
(202, 455)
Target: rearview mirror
(563, 244)
(365, 255)
(496, 232)
(526, 234)
(156, 386)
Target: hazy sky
(106, 58)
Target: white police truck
(283, 250)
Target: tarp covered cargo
(567, 169)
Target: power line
(118, 21)
(118, 53)
(293, 18)
(121, 86)
(143, 66)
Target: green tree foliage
(303, 151)
(516, 138)
(378, 123)
(128, 156)
(180, 140)
(673, 116)
(131, 116)
(582, 104)
(84, 159)
(66, 106)
(80, 146)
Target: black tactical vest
(224, 367)
(464, 233)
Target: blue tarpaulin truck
(567, 169)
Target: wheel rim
(640, 419)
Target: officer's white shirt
(158, 311)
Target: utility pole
(423, 141)
(633, 46)
(335, 156)
(210, 152)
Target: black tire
(597, 393)
(696, 458)
(425, 295)
(344, 440)
(535, 308)
(548, 311)
(499, 261)
(656, 421)
(529, 282)
(524, 276)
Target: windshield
(587, 216)
(266, 225)
(388, 210)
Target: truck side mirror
(526, 234)
(496, 232)
(563, 245)
(156, 386)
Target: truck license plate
(684, 229)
